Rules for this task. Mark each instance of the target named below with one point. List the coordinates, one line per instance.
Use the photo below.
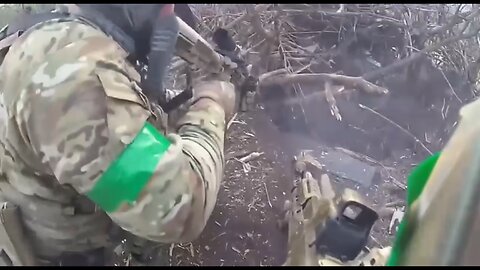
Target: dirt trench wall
(426, 108)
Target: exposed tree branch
(283, 77)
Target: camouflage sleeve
(92, 132)
(179, 198)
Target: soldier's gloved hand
(218, 89)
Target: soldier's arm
(91, 131)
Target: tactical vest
(78, 227)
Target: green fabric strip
(416, 182)
(125, 178)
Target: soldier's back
(41, 64)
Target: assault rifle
(325, 229)
(224, 60)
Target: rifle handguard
(324, 229)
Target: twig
(237, 155)
(334, 110)
(252, 204)
(397, 125)
(192, 253)
(250, 157)
(170, 252)
(242, 17)
(407, 32)
(231, 121)
(450, 85)
(398, 184)
(236, 250)
(215, 237)
(303, 69)
(250, 134)
(255, 47)
(268, 197)
(394, 181)
(376, 241)
(246, 167)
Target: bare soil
(243, 227)
(243, 230)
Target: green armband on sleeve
(125, 178)
(416, 182)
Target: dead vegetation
(299, 44)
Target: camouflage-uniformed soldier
(82, 146)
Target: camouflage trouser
(144, 253)
(16, 250)
(89, 258)
(102, 257)
(106, 257)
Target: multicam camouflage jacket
(82, 147)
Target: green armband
(125, 178)
(416, 182)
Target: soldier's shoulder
(59, 57)
(80, 39)
(61, 41)
(59, 45)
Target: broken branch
(281, 77)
